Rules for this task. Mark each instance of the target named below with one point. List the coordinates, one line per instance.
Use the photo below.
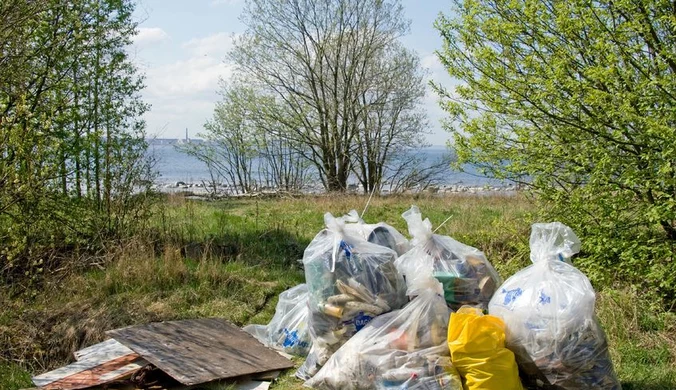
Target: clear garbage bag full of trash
(548, 309)
(379, 233)
(351, 281)
(403, 349)
(288, 330)
(467, 276)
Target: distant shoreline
(179, 141)
(197, 190)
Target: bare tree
(230, 148)
(317, 58)
(282, 167)
(411, 170)
(244, 148)
(393, 123)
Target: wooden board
(227, 385)
(102, 363)
(104, 351)
(200, 351)
(253, 385)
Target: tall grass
(232, 258)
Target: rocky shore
(200, 190)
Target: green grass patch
(13, 376)
(232, 258)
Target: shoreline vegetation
(231, 258)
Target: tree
(411, 171)
(282, 161)
(393, 122)
(72, 153)
(577, 99)
(326, 63)
(243, 148)
(230, 149)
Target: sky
(182, 44)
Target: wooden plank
(97, 364)
(104, 351)
(253, 385)
(266, 376)
(87, 373)
(245, 384)
(200, 351)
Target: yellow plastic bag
(477, 344)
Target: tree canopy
(577, 99)
(71, 135)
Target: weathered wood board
(97, 365)
(103, 351)
(200, 351)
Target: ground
(232, 258)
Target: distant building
(186, 140)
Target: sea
(174, 166)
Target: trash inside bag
(288, 330)
(467, 276)
(351, 281)
(548, 309)
(379, 233)
(403, 349)
(478, 352)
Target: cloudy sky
(181, 48)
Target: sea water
(174, 166)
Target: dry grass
(232, 258)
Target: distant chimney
(186, 135)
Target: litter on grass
(379, 233)
(380, 313)
(351, 281)
(402, 348)
(288, 330)
(548, 308)
(467, 276)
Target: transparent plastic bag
(288, 330)
(379, 233)
(350, 281)
(548, 309)
(441, 375)
(467, 276)
(403, 349)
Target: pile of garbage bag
(548, 308)
(402, 348)
(350, 281)
(465, 273)
(437, 316)
(288, 330)
(379, 233)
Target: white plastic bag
(548, 309)
(350, 281)
(404, 349)
(379, 233)
(467, 276)
(288, 330)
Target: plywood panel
(200, 351)
(91, 372)
(104, 351)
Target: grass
(232, 258)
